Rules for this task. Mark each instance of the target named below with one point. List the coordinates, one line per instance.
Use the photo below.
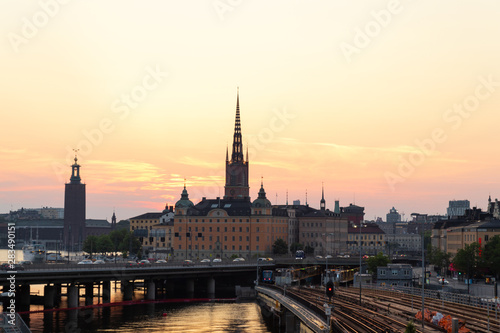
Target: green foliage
(427, 238)
(120, 240)
(90, 245)
(280, 247)
(379, 260)
(491, 255)
(440, 259)
(467, 259)
(104, 244)
(294, 247)
(411, 328)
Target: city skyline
(387, 104)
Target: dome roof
(184, 202)
(261, 201)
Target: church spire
(322, 203)
(237, 155)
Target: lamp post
(423, 278)
(359, 263)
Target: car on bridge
(217, 260)
(188, 262)
(131, 264)
(85, 262)
(144, 262)
(160, 261)
(239, 259)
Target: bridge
(155, 278)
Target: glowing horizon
(391, 103)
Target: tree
(104, 244)
(491, 258)
(280, 247)
(410, 328)
(294, 247)
(90, 245)
(467, 259)
(380, 260)
(130, 242)
(440, 259)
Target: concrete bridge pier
(211, 287)
(170, 287)
(73, 297)
(106, 291)
(151, 290)
(89, 293)
(190, 288)
(49, 293)
(128, 290)
(24, 296)
(57, 294)
(291, 322)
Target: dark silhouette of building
(237, 168)
(74, 210)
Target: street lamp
(423, 277)
(359, 263)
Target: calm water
(166, 317)
(206, 317)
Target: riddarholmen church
(235, 225)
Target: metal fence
(9, 324)
(460, 298)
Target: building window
(382, 272)
(257, 238)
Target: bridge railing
(124, 265)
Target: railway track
(476, 319)
(349, 316)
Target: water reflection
(202, 317)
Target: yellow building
(370, 239)
(480, 232)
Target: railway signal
(329, 289)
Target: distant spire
(227, 153)
(237, 155)
(287, 197)
(306, 196)
(261, 181)
(322, 203)
(247, 154)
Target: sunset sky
(388, 103)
